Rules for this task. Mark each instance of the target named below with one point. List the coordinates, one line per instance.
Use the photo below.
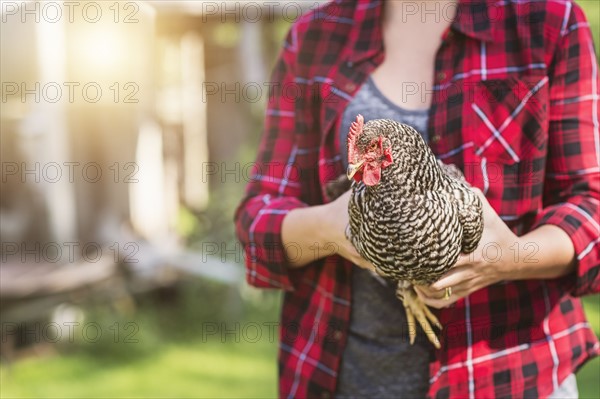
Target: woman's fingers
(367, 265)
(434, 302)
(430, 293)
(425, 290)
(363, 263)
(348, 251)
(453, 278)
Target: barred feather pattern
(416, 221)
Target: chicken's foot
(416, 309)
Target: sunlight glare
(100, 49)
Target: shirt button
(350, 86)
(441, 75)
(435, 138)
(337, 335)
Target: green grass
(588, 379)
(174, 354)
(592, 12)
(184, 367)
(199, 370)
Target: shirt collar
(474, 18)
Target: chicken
(410, 215)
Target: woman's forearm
(318, 231)
(546, 252)
(302, 234)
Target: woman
(508, 92)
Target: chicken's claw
(415, 308)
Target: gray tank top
(378, 361)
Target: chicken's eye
(373, 146)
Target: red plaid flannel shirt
(515, 106)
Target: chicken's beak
(353, 168)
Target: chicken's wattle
(366, 167)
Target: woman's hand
(335, 218)
(495, 259)
(544, 253)
(314, 232)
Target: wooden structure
(151, 151)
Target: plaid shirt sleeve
(275, 185)
(571, 189)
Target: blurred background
(128, 129)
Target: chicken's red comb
(355, 131)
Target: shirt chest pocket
(509, 119)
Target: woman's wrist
(307, 234)
(520, 256)
(322, 225)
(327, 229)
(544, 253)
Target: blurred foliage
(587, 378)
(227, 35)
(215, 224)
(592, 12)
(183, 341)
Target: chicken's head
(369, 151)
